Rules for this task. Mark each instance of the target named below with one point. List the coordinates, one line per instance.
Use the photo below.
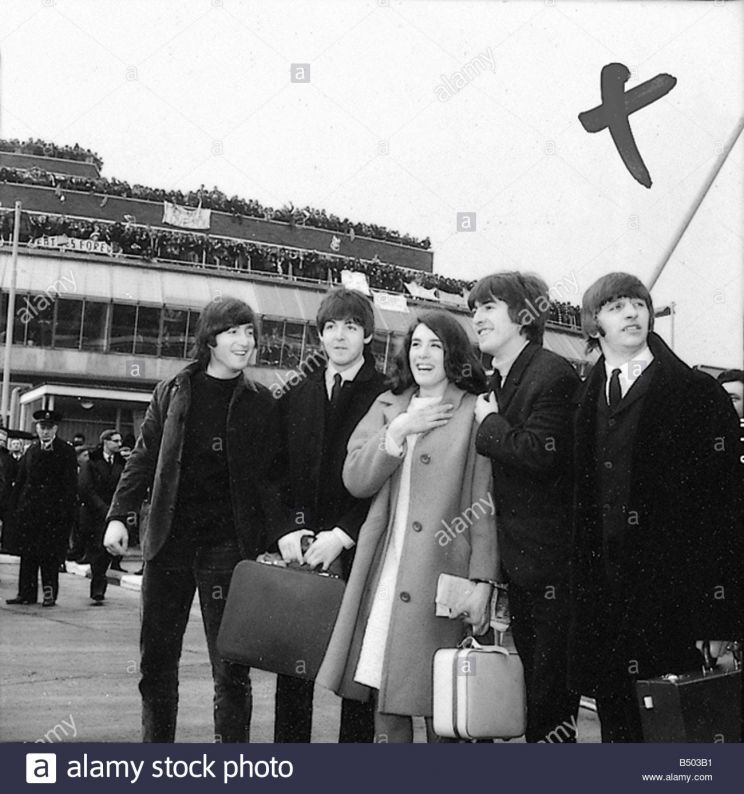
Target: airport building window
(148, 330)
(294, 334)
(193, 320)
(101, 327)
(123, 328)
(270, 354)
(173, 339)
(380, 346)
(36, 313)
(95, 319)
(312, 341)
(68, 323)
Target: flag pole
(696, 204)
(673, 312)
(11, 313)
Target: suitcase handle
(709, 663)
(471, 642)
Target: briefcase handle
(275, 559)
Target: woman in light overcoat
(432, 513)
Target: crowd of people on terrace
(203, 250)
(213, 199)
(42, 148)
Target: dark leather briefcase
(279, 618)
(692, 707)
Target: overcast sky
(176, 94)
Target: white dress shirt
(630, 371)
(346, 375)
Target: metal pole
(673, 312)
(696, 204)
(11, 314)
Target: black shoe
(49, 602)
(18, 600)
(116, 566)
(140, 572)
(98, 600)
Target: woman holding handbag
(432, 513)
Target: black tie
(336, 390)
(495, 385)
(615, 392)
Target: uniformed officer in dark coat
(43, 501)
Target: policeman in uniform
(43, 502)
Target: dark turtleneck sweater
(203, 508)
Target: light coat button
(405, 597)
(417, 526)
(425, 458)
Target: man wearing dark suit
(319, 415)
(657, 537)
(524, 429)
(98, 477)
(42, 503)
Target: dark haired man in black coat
(526, 432)
(206, 451)
(319, 414)
(657, 544)
(97, 480)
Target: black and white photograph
(372, 373)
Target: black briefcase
(279, 618)
(702, 706)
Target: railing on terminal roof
(249, 272)
(249, 208)
(303, 254)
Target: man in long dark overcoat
(43, 503)
(98, 478)
(658, 541)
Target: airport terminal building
(97, 324)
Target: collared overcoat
(43, 501)
(97, 481)
(529, 444)
(681, 564)
(450, 529)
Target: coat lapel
(638, 389)
(513, 379)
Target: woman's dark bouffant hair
(460, 362)
(217, 316)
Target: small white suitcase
(479, 692)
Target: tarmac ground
(70, 672)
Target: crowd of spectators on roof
(39, 147)
(203, 250)
(213, 199)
